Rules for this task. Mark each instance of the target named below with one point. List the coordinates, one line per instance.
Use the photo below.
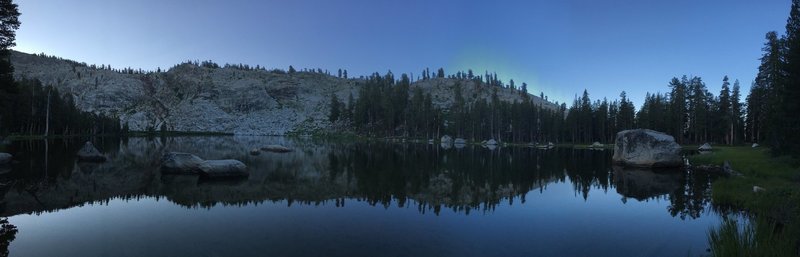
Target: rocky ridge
(193, 98)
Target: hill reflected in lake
(466, 179)
(348, 198)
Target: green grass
(775, 213)
(757, 238)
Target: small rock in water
(90, 154)
(757, 189)
(185, 163)
(5, 158)
(704, 147)
(755, 145)
(446, 139)
(223, 168)
(255, 151)
(276, 149)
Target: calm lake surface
(348, 199)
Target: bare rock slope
(193, 98)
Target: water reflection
(46, 176)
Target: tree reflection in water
(464, 180)
(8, 233)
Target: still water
(348, 199)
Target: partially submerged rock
(181, 163)
(724, 169)
(596, 145)
(5, 158)
(276, 149)
(646, 148)
(446, 139)
(491, 142)
(757, 189)
(89, 153)
(255, 151)
(223, 168)
(705, 147)
(445, 146)
(755, 145)
(460, 141)
(549, 145)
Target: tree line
(688, 111)
(386, 106)
(773, 105)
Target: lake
(335, 198)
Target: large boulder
(276, 149)
(181, 163)
(5, 158)
(88, 153)
(223, 168)
(646, 148)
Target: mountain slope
(196, 98)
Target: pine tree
(788, 124)
(724, 120)
(626, 113)
(737, 124)
(524, 89)
(764, 99)
(678, 110)
(335, 108)
(9, 23)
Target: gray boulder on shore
(88, 153)
(647, 149)
(5, 158)
(705, 147)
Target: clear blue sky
(559, 47)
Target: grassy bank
(773, 226)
